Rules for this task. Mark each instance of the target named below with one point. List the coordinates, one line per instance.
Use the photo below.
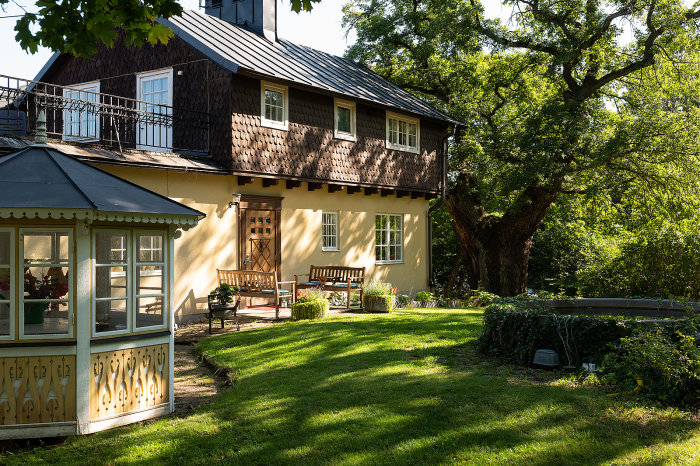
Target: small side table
(221, 311)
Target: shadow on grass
(377, 390)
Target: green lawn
(399, 388)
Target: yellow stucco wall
(214, 244)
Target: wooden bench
(333, 278)
(255, 284)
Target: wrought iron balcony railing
(81, 115)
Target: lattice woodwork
(128, 380)
(260, 230)
(37, 389)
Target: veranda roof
(49, 183)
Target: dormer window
(345, 120)
(402, 132)
(274, 105)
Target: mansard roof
(239, 49)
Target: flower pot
(220, 311)
(379, 303)
(34, 313)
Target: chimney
(260, 16)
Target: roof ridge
(48, 151)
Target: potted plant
(223, 295)
(379, 297)
(310, 304)
(53, 285)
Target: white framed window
(329, 231)
(129, 293)
(81, 119)
(7, 284)
(274, 105)
(154, 129)
(149, 280)
(47, 301)
(402, 132)
(345, 126)
(112, 282)
(389, 238)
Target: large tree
(566, 97)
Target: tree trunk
(498, 248)
(454, 272)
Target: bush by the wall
(658, 364)
(515, 333)
(309, 309)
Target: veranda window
(130, 281)
(389, 238)
(47, 299)
(149, 280)
(112, 282)
(7, 283)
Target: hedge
(309, 309)
(515, 333)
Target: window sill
(281, 125)
(389, 262)
(345, 136)
(412, 150)
(330, 249)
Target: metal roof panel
(42, 177)
(235, 47)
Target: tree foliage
(77, 26)
(556, 102)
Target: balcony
(80, 116)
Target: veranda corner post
(86, 282)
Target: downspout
(443, 193)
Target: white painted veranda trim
(97, 347)
(128, 418)
(22, 431)
(37, 351)
(183, 221)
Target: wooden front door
(259, 239)
(260, 245)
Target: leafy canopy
(557, 98)
(78, 26)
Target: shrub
(402, 301)
(309, 310)
(515, 333)
(424, 296)
(310, 294)
(481, 297)
(657, 364)
(311, 304)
